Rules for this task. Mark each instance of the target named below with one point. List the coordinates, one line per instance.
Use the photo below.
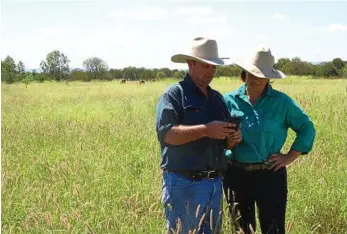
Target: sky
(147, 33)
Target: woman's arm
(300, 122)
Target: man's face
(201, 73)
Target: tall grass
(84, 157)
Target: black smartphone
(236, 120)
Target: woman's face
(252, 80)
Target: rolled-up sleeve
(301, 123)
(167, 115)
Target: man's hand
(281, 160)
(219, 130)
(234, 138)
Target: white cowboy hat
(203, 50)
(261, 65)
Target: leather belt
(199, 175)
(249, 166)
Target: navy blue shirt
(184, 103)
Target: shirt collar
(268, 90)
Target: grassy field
(83, 158)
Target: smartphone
(236, 120)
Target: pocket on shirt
(194, 115)
(271, 129)
(271, 126)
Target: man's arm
(167, 113)
(233, 139)
(170, 131)
(181, 134)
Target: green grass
(84, 157)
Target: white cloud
(201, 15)
(188, 11)
(84, 41)
(205, 20)
(59, 31)
(48, 31)
(142, 13)
(281, 16)
(263, 37)
(337, 27)
(313, 41)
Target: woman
(257, 169)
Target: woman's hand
(277, 161)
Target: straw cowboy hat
(202, 50)
(261, 65)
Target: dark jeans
(268, 189)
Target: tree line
(56, 67)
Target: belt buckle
(249, 167)
(208, 174)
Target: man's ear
(190, 63)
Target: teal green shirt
(265, 124)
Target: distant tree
(287, 68)
(56, 65)
(151, 74)
(167, 71)
(221, 71)
(329, 70)
(20, 70)
(344, 72)
(96, 68)
(129, 73)
(228, 71)
(20, 67)
(281, 63)
(298, 66)
(107, 76)
(179, 74)
(147, 75)
(28, 78)
(79, 75)
(41, 77)
(235, 71)
(338, 63)
(8, 70)
(161, 75)
(116, 73)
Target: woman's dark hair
(243, 75)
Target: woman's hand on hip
(277, 161)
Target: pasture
(84, 158)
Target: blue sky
(148, 33)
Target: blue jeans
(192, 205)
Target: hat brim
(265, 74)
(182, 58)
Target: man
(193, 128)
